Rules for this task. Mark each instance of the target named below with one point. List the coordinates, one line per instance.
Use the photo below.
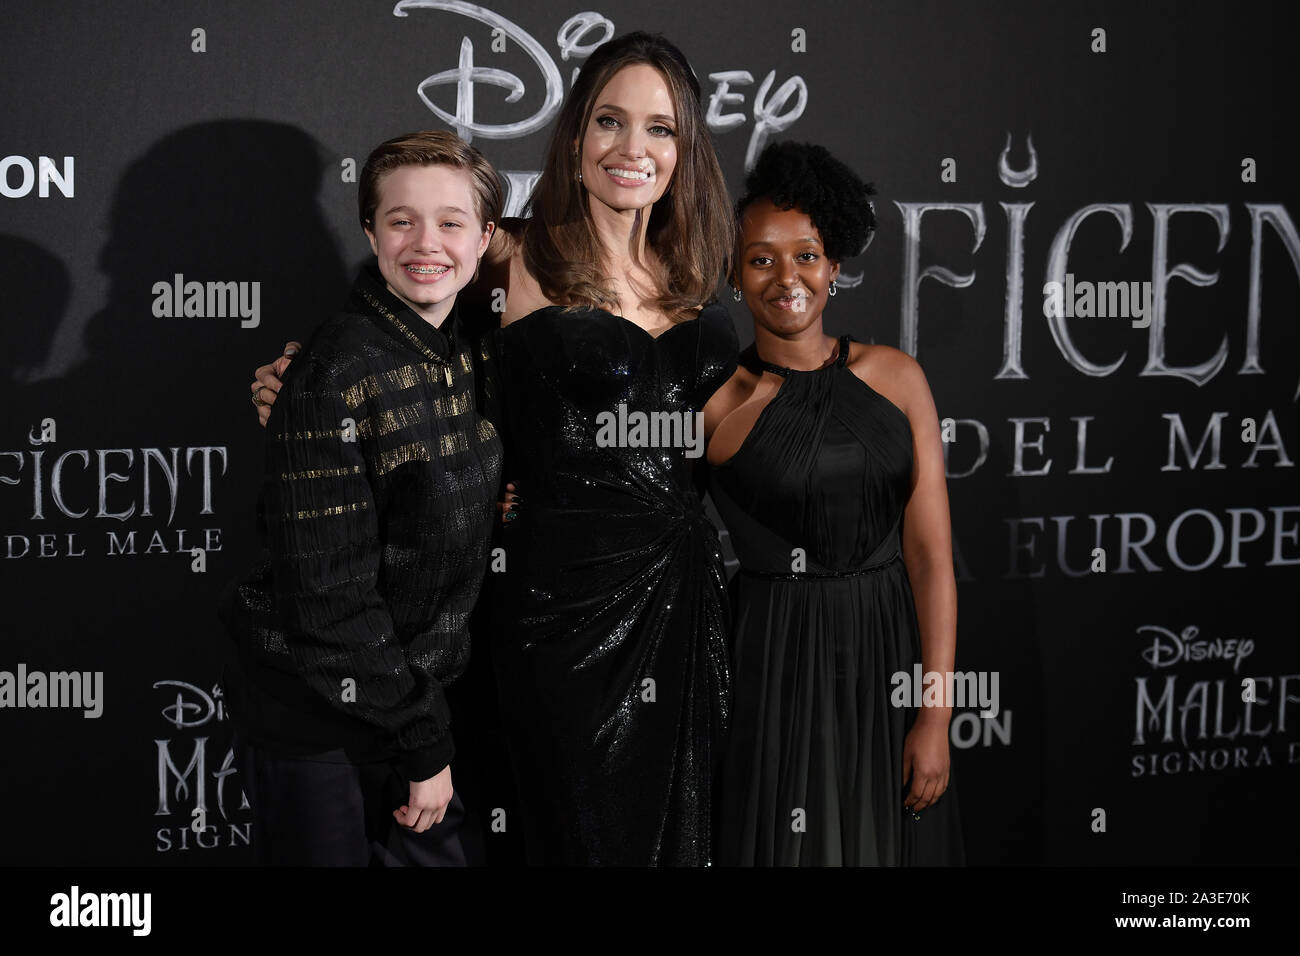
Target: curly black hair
(808, 177)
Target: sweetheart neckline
(623, 318)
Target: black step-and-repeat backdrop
(1088, 238)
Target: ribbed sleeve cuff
(428, 762)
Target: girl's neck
(435, 314)
(805, 351)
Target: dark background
(224, 165)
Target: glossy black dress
(611, 628)
(813, 772)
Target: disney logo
(465, 74)
(773, 109)
(1168, 648)
(197, 710)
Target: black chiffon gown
(611, 617)
(813, 771)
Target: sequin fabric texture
(377, 504)
(611, 620)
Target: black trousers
(317, 813)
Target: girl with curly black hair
(828, 471)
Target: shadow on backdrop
(234, 201)
(35, 287)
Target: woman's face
(783, 271)
(427, 236)
(629, 149)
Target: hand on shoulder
(267, 381)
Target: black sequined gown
(813, 771)
(611, 624)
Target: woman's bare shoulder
(891, 372)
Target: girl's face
(783, 271)
(427, 237)
(629, 149)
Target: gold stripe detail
(405, 377)
(447, 406)
(330, 512)
(388, 460)
(373, 386)
(311, 436)
(366, 389)
(401, 326)
(453, 444)
(391, 420)
(485, 430)
(322, 473)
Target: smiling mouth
(426, 270)
(794, 300)
(627, 175)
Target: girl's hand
(427, 803)
(509, 508)
(925, 760)
(266, 384)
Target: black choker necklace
(842, 354)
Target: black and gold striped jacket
(376, 509)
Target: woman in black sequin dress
(828, 472)
(611, 616)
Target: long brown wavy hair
(690, 227)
